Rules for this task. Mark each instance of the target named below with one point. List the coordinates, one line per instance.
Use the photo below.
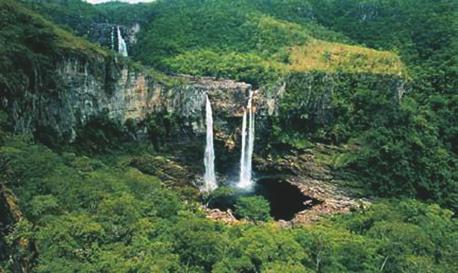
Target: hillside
(248, 41)
(324, 140)
(30, 43)
(253, 41)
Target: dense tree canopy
(92, 215)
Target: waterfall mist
(209, 156)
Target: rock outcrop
(105, 34)
(310, 171)
(87, 89)
(84, 88)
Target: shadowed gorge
(285, 200)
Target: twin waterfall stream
(209, 156)
(245, 181)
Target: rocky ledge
(310, 170)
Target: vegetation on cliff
(80, 16)
(30, 45)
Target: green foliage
(42, 205)
(126, 14)
(406, 232)
(112, 214)
(246, 67)
(243, 40)
(81, 16)
(402, 156)
(89, 216)
(424, 32)
(254, 208)
(333, 108)
(78, 204)
(223, 198)
(75, 14)
(100, 134)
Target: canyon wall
(83, 89)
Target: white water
(246, 181)
(242, 182)
(122, 46)
(209, 156)
(112, 38)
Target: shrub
(254, 208)
(222, 198)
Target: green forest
(127, 130)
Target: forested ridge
(109, 201)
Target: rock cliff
(105, 34)
(84, 89)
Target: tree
(254, 208)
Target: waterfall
(209, 156)
(112, 38)
(245, 181)
(250, 139)
(243, 153)
(122, 46)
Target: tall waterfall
(112, 38)
(245, 181)
(122, 46)
(209, 156)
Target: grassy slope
(27, 39)
(328, 56)
(422, 31)
(217, 37)
(255, 41)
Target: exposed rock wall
(318, 90)
(83, 89)
(86, 89)
(105, 34)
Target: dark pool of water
(285, 199)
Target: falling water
(250, 139)
(245, 181)
(112, 38)
(122, 47)
(242, 183)
(209, 156)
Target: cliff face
(105, 34)
(316, 105)
(84, 89)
